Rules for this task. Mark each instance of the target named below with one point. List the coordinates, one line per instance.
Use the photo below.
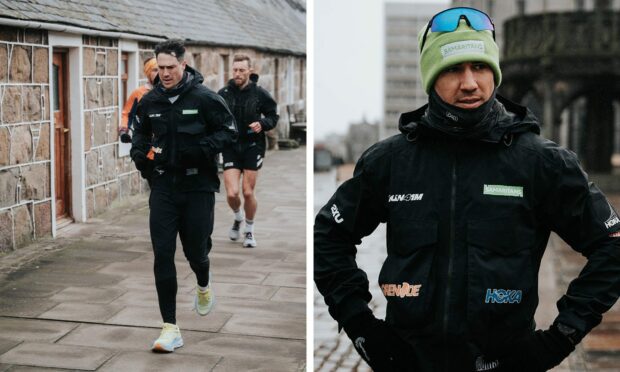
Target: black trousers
(190, 214)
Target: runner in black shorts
(248, 156)
(255, 112)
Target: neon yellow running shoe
(204, 301)
(169, 339)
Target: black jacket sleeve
(269, 108)
(581, 215)
(219, 117)
(142, 131)
(353, 212)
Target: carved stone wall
(561, 57)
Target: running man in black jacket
(181, 127)
(255, 112)
(470, 194)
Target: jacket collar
(507, 118)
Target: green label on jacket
(190, 112)
(503, 190)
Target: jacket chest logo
(503, 296)
(401, 290)
(190, 112)
(154, 115)
(404, 197)
(503, 190)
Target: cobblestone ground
(599, 351)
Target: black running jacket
(468, 221)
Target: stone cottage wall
(25, 157)
(25, 200)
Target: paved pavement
(599, 351)
(86, 300)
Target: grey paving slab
(296, 257)
(35, 369)
(148, 298)
(33, 329)
(24, 307)
(224, 275)
(88, 295)
(69, 278)
(126, 338)
(236, 364)
(79, 312)
(290, 295)
(186, 319)
(286, 280)
(56, 356)
(140, 267)
(4, 367)
(248, 346)
(150, 362)
(274, 266)
(6, 344)
(267, 327)
(28, 288)
(248, 291)
(263, 308)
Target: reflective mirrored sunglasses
(448, 21)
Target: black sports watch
(571, 333)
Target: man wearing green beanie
(470, 193)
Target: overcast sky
(348, 63)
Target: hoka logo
(503, 296)
(404, 197)
(336, 214)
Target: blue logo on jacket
(503, 296)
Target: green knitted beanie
(445, 49)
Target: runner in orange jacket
(129, 110)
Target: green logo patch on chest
(503, 190)
(190, 112)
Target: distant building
(359, 138)
(66, 68)
(403, 90)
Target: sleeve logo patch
(336, 214)
(503, 190)
(613, 218)
(190, 112)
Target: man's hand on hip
(538, 351)
(256, 127)
(378, 344)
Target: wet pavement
(86, 300)
(599, 351)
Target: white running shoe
(169, 339)
(233, 234)
(249, 241)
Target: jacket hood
(508, 118)
(194, 78)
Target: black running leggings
(190, 214)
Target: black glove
(125, 137)
(378, 344)
(538, 351)
(139, 158)
(191, 157)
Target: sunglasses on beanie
(448, 21)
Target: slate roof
(276, 25)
